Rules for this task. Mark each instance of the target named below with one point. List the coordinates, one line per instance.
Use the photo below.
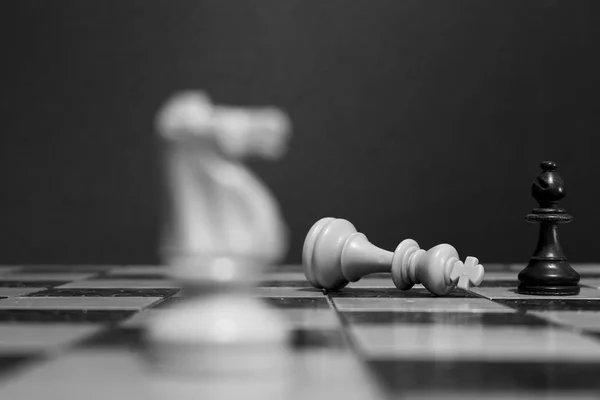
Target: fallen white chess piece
(335, 254)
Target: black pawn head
(549, 188)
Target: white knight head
(238, 131)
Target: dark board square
(393, 293)
(443, 318)
(116, 337)
(63, 269)
(91, 292)
(65, 316)
(11, 364)
(148, 276)
(593, 335)
(550, 304)
(168, 302)
(401, 376)
(508, 283)
(297, 302)
(34, 284)
(277, 302)
(297, 284)
(302, 339)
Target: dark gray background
(421, 119)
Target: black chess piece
(548, 272)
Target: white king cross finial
(468, 273)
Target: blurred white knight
(221, 228)
(216, 208)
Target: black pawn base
(549, 278)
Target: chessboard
(73, 332)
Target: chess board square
(25, 338)
(120, 284)
(285, 276)
(501, 293)
(298, 318)
(66, 269)
(279, 283)
(137, 270)
(312, 318)
(83, 374)
(302, 338)
(116, 337)
(285, 302)
(168, 302)
(386, 283)
(331, 374)
(116, 374)
(9, 362)
(157, 276)
(77, 303)
(18, 291)
(30, 283)
(287, 292)
(139, 319)
(103, 292)
(64, 316)
(443, 318)
(12, 363)
(497, 343)
(276, 292)
(440, 304)
(297, 302)
(458, 379)
(22, 276)
(392, 292)
(583, 320)
(551, 304)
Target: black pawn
(548, 272)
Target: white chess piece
(216, 207)
(221, 228)
(335, 254)
(467, 274)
